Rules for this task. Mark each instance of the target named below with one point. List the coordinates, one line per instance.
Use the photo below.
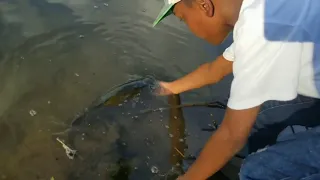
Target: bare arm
(223, 144)
(208, 73)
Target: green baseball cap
(166, 10)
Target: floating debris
(181, 140)
(105, 4)
(49, 102)
(154, 170)
(70, 152)
(95, 7)
(148, 142)
(179, 152)
(76, 74)
(171, 135)
(215, 124)
(32, 112)
(167, 126)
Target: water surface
(57, 56)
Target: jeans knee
(245, 170)
(252, 167)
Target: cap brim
(165, 11)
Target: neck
(229, 10)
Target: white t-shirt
(275, 53)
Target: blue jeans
(291, 132)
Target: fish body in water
(126, 90)
(119, 94)
(113, 137)
(126, 142)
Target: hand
(164, 89)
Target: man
(276, 66)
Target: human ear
(206, 6)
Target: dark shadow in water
(114, 140)
(49, 10)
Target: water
(57, 56)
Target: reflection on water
(57, 56)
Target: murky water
(57, 56)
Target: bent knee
(260, 165)
(251, 168)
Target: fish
(126, 90)
(101, 134)
(125, 141)
(177, 129)
(118, 94)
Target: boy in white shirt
(275, 60)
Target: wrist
(174, 87)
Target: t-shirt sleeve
(228, 54)
(263, 70)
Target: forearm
(224, 143)
(208, 73)
(217, 152)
